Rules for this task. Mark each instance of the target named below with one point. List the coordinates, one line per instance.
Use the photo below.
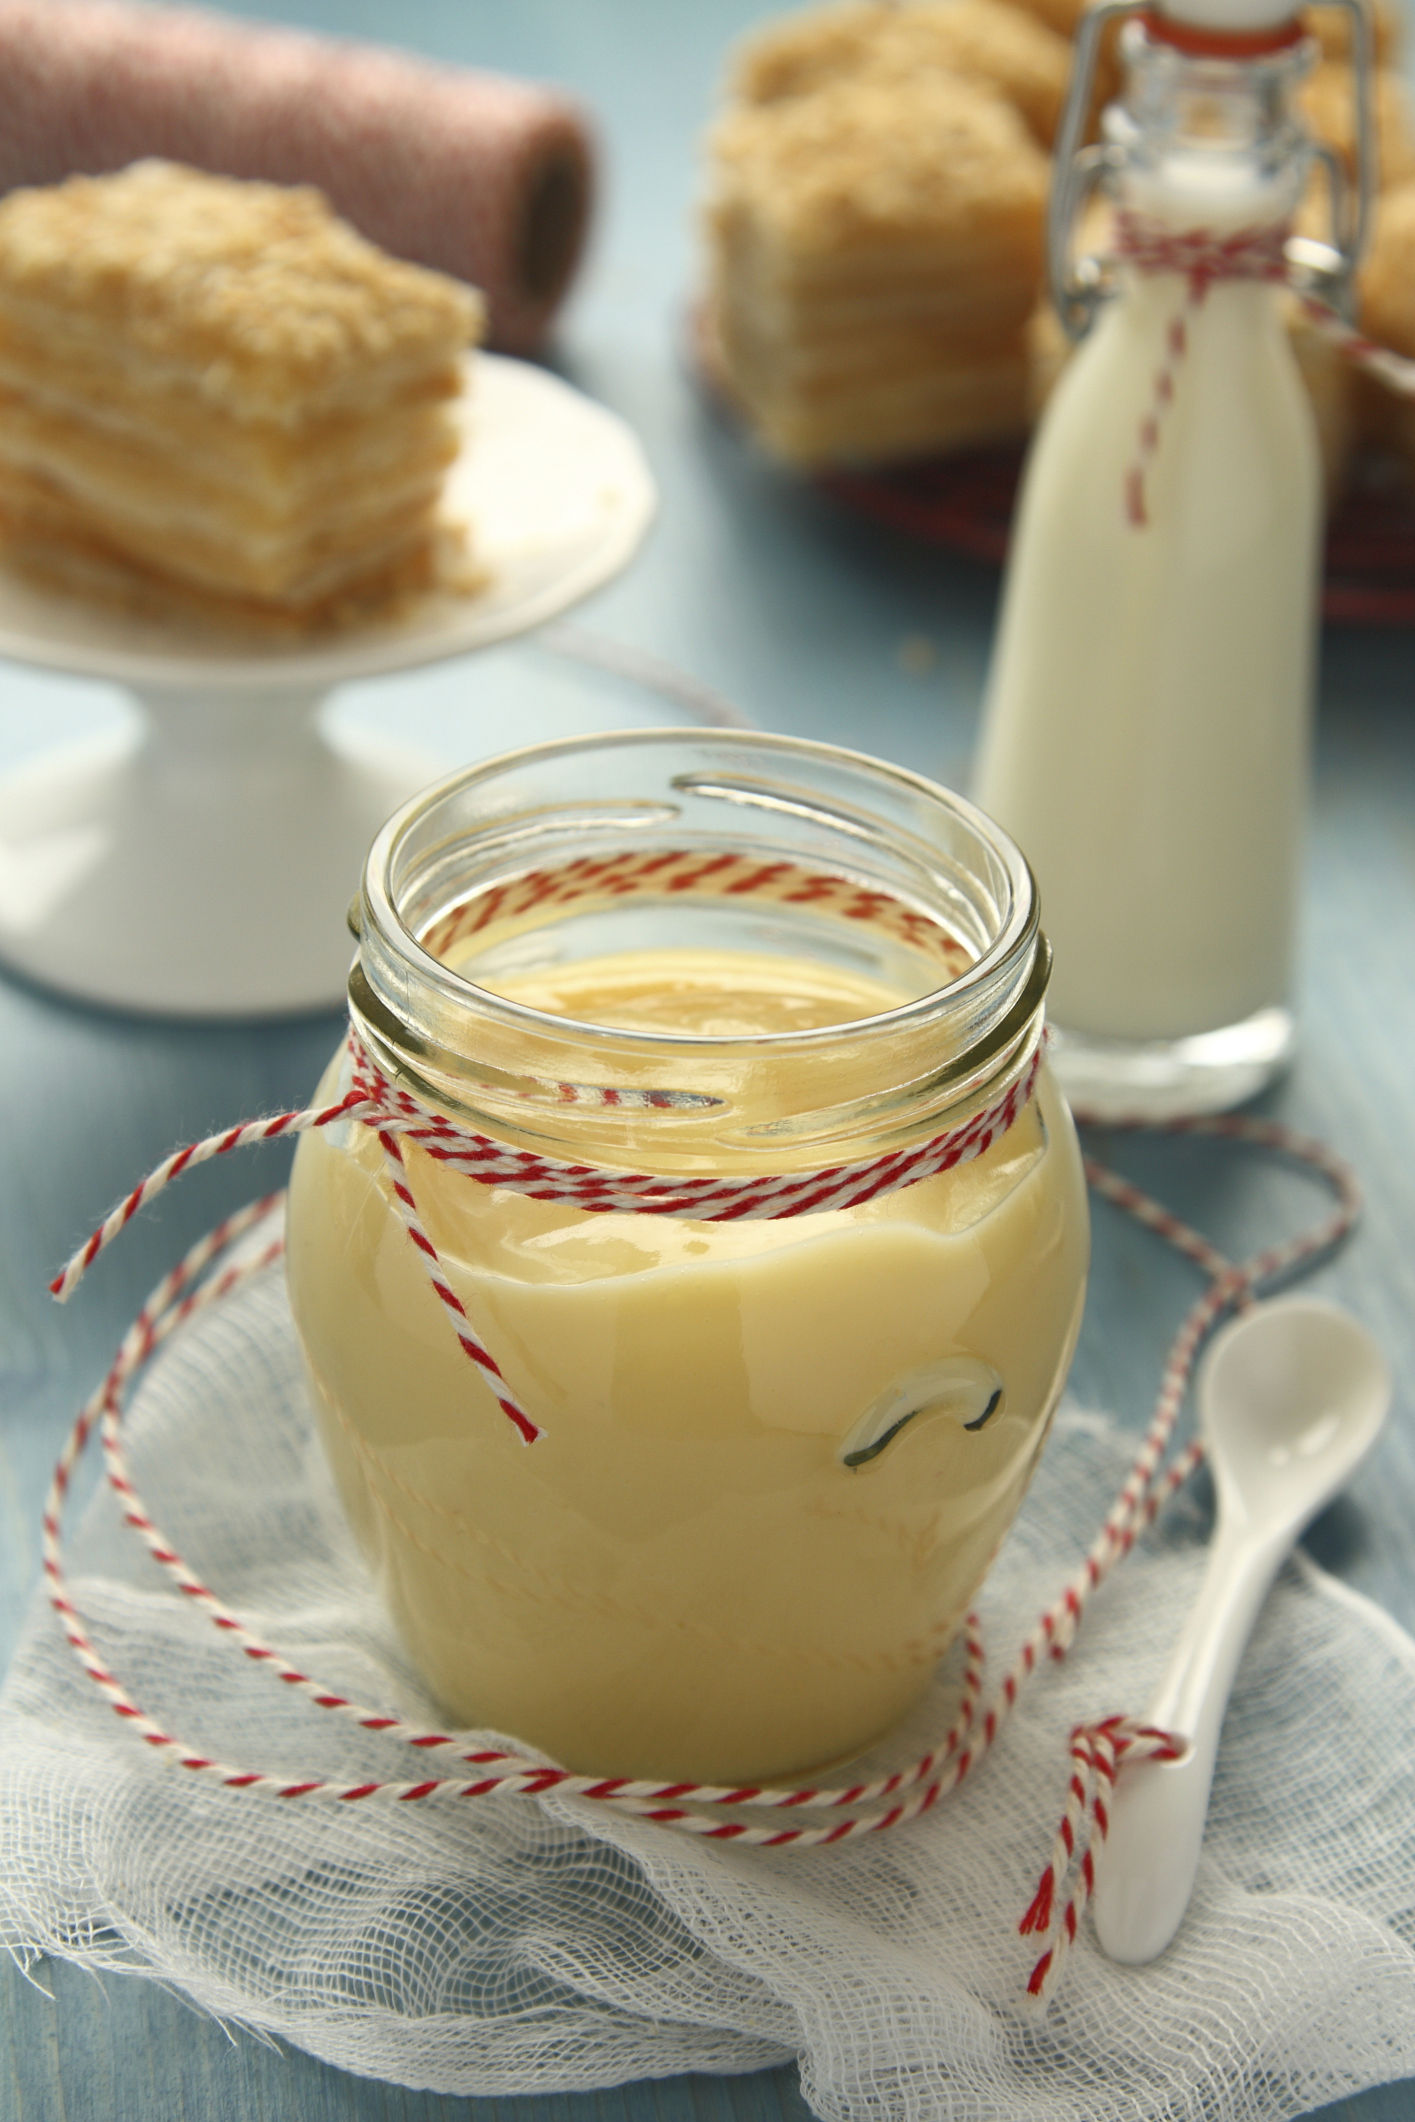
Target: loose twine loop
(716, 1812)
(1204, 260)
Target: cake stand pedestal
(202, 865)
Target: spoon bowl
(1292, 1395)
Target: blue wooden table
(817, 624)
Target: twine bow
(397, 1118)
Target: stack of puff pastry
(217, 399)
(875, 216)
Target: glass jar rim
(377, 918)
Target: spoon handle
(1146, 1867)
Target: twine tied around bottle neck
(1199, 257)
(782, 1816)
(1203, 261)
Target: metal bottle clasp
(1078, 285)
(1328, 270)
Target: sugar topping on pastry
(257, 293)
(975, 40)
(883, 159)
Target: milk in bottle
(1146, 731)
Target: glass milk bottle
(1146, 732)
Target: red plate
(966, 502)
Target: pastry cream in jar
(776, 1455)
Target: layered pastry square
(875, 249)
(216, 397)
(978, 40)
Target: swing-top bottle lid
(1239, 20)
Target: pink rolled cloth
(483, 177)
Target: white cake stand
(202, 866)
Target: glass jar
(777, 1455)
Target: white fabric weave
(517, 1945)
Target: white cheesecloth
(519, 1945)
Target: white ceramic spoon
(1292, 1396)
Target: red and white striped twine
(1203, 260)
(715, 1811)
(396, 1117)
(1099, 1749)
(592, 882)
